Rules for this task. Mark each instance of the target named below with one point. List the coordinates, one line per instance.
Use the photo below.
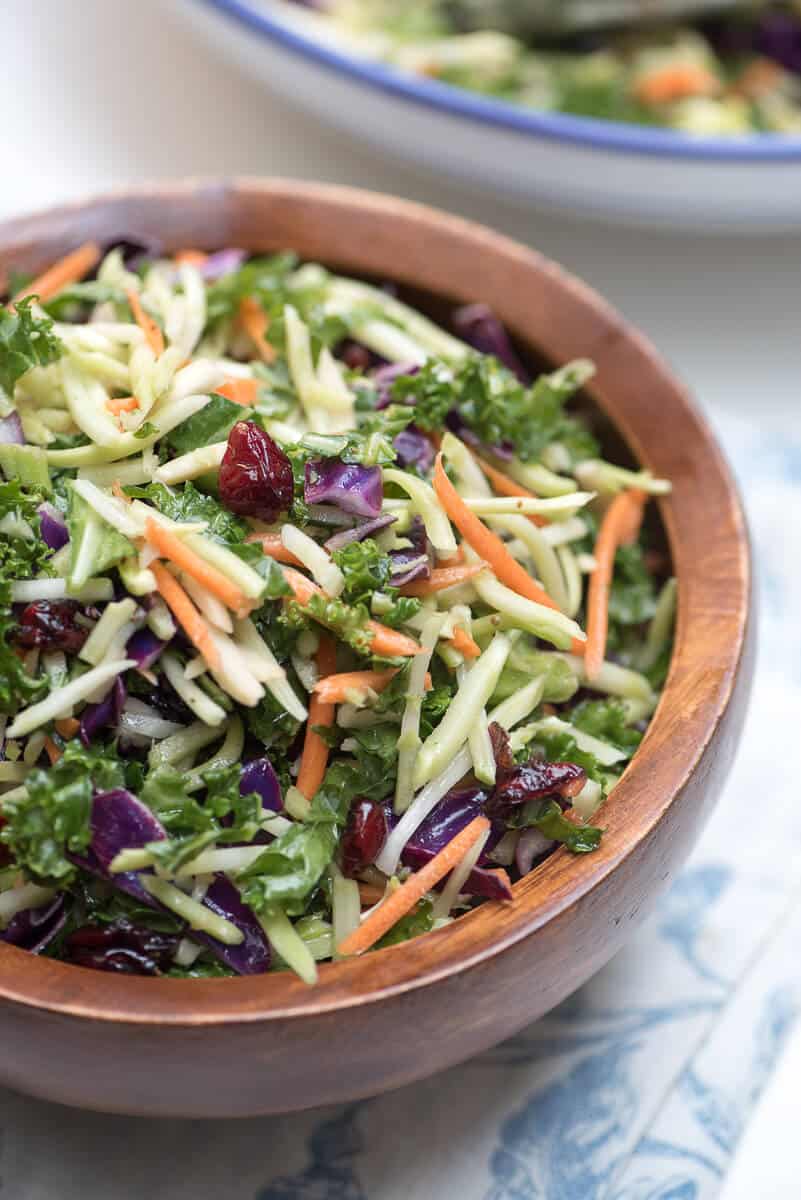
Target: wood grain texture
(245, 1046)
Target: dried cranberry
(364, 836)
(255, 475)
(51, 625)
(534, 781)
(121, 946)
(501, 749)
(355, 356)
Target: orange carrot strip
(386, 642)
(337, 689)
(169, 545)
(453, 560)
(123, 404)
(462, 642)
(631, 531)
(314, 759)
(490, 547)
(505, 486)
(69, 269)
(617, 524)
(762, 75)
(675, 82)
(185, 612)
(255, 322)
(67, 727)
(485, 542)
(54, 752)
(240, 391)
(193, 258)
(442, 578)
(153, 335)
(404, 898)
(273, 547)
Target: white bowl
(592, 168)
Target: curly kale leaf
(52, 818)
(26, 341)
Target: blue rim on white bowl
(587, 132)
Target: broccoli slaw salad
(320, 624)
(723, 68)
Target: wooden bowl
(238, 1047)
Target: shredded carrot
(631, 531)
(675, 82)
(462, 642)
(369, 894)
(185, 612)
(69, 269)
(153, 335)
(116, 490)
(490, 547)
(67, 727)
(240, 391)
(442, 578)
(339, 689)
(255, 322)
(54, 752)
(453, 560)
(485, 542)
(123, 404)
(170, 546)
(398, 903)
(759, 77)
(314, 759)
(273, 547)
(616, 526)
(386, 642)
(193, 258)
(505, 486)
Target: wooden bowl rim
(46, 984)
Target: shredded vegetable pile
(319, 624)
(682, 64)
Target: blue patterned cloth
(637, 1088)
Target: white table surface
(98, 93)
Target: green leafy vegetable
(432, 390)
(606, 719)
(26, 341)
(525, 663)
(632, 598)
(21, 557)
(146, 430)
(419, 920)
(371, 449)
(291, 867)
(265, 279)
(347, 621)
(188, 504)
(212, 424)
(547, 816)
(70, 301)
(184, 814)
(366, 568)
(497, 408)
(53, 816)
